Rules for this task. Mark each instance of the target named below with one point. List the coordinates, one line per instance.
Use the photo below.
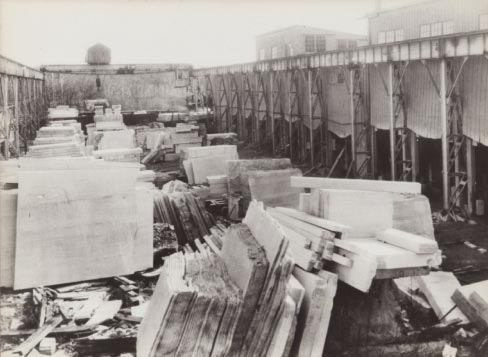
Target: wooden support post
(271, 112)
(310, 113)
(470, 173)
(5, 116)
(352, 114)
(290, 127)
(16, 114)
(392, 122)
(414, 155)
(445, 153)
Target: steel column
(352, 114)
(310, 109)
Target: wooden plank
(438, 287)
(341, 229)
(105, 311)
(408, 241)
(247, 266)
(81, 220)
(387, 256)
(313, 320)
(354, 208)
(8, 223)
(356, 184)
(25, 347)
(472, 300)
(360, 275)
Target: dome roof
(98, 54)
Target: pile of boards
(238, 294)
(61, 138)
(363, 231)
(185, 212)
(111, 140)
(83, 218)
(171, 141)
(452, 302)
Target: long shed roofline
(14, 68)
(456, 45)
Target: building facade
(298, 40)
(428, 19)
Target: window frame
(424, 34)
(274, 52)
(381, 37)
(483, 20)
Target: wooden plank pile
(185, 212)
(256, 309)
(403, 207)
(58, 140)
(359, 244)
(83, 218)
(207, 161)
(109, 118)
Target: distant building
(427, 19)
(298, 40)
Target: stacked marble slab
(59, 139)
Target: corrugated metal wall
(337, 99)
(474, 89)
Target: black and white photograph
(232, 178)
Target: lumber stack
(109, 118)
(317, 242)
(259, 301)
(399, 204)
(89, 217)
(207, 161)
(58, 140)
(193, 309)
(185, 212)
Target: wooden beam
(470, 165)
(352, 118)
(445, 148)
(6, 152)
(355, 184)
(392, 122)
(310, 109)
(16, 114)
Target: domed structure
(98, 54)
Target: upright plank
(79, 223)
(8, 221)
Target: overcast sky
(202, 33)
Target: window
(399, 35)
(320, 41)
(341, 44)
(309, 43)
(289, 48)
(274, 52)
(390, 36)
(261, 54)
(425, 30)
(352, 44)
(381, 37)
(436, 29)
(484, 22)
(447, 27)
